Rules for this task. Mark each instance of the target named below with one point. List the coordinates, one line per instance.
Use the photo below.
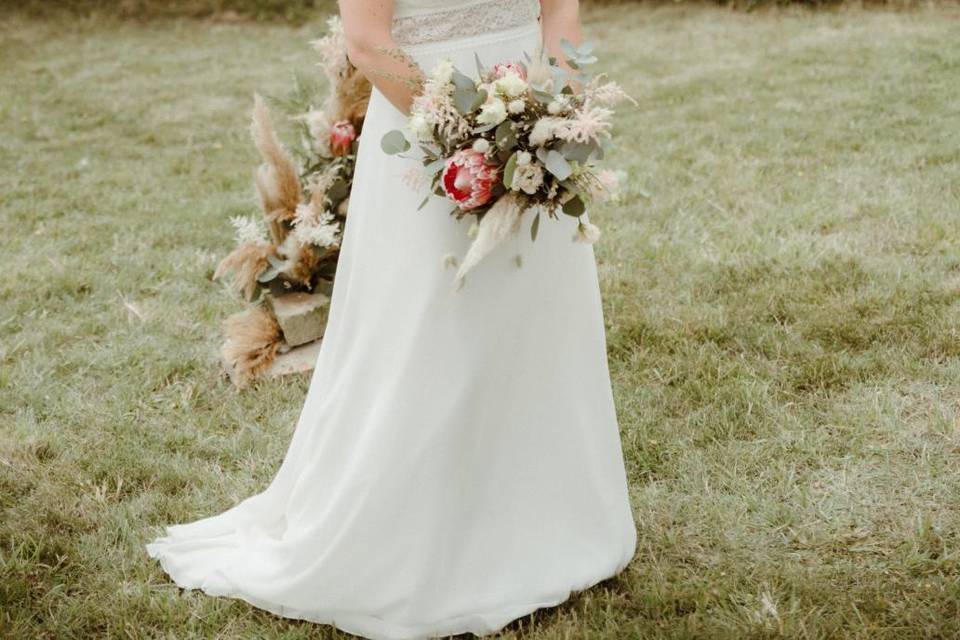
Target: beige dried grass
(253, 338)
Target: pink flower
(503, 68)
(342, 135)
(468, 180)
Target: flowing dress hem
(372, 627)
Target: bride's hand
(372, 49)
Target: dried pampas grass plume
(502, 220)
(276, 179)
(352, 97)
(246, 262)
(302, 260)
(253, 337)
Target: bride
(457, 462)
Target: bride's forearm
(394, 75)
(560, 20)
(372, 49)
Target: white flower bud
(516, 106)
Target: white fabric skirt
(457, 462)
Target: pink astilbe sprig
(589, 123)
(333, 51)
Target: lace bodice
(421, 21)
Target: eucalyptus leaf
(508, 171)
(557, 165)
(484, 128)
(476, 58)
(504, 135)
(461, 81)
(338, 190)
(268, 274)
(543, 97)
(394, 142)
(574, 207)
(568, 48)
(424, 203)
(464, 98)
(578, 151)
(479, 100)
(435, 166)
(535, 227)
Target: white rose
(492, 112)
(558, 105)
(510, 85)
(516, 106)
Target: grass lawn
(782, 297)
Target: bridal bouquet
(523, 136)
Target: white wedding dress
(457, 462)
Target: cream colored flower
(493, 111)
(517, 106)
(442, 73)
(511, 85)
(527, 177)
(558, 105)
(587, 233)
(543, 131)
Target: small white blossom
(587, 233)
(442, 73)
(420, 128)
(523, 157)
(414, 178)
(527, 177)
(481, 145)
(517, 106)
(558, 105)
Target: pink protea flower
(342, 135)
(503, 68)
(468, 180)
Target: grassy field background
(782, 298)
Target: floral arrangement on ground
(290, 251)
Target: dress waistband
(465, 22)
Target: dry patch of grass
(782, 292)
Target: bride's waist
(474, 23)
